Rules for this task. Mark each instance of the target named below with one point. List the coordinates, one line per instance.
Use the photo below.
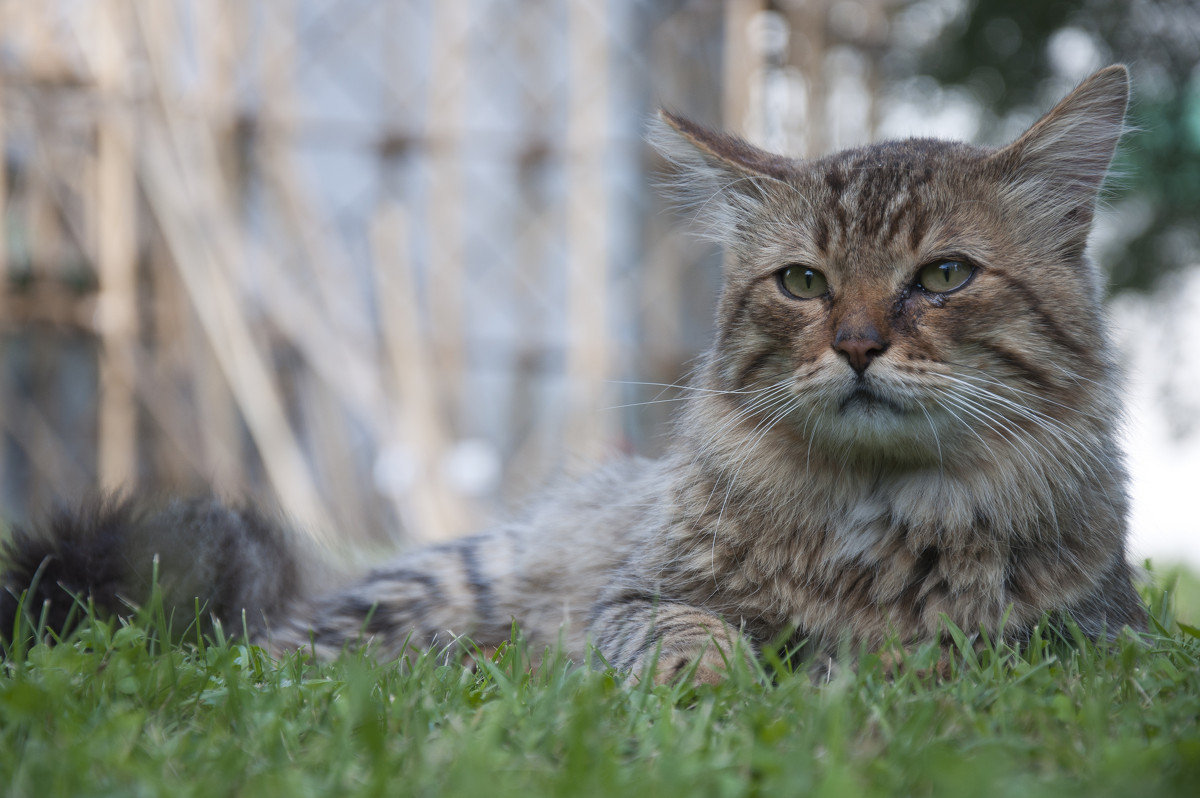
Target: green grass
(114, 711)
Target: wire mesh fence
(391, 263)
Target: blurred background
(396, 263)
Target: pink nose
(859, 352)
(859, 346)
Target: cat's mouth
(863, 398)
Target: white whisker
(779, 411)
(1016, 441)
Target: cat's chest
(856, 558)
(818, 546)
(854, 532)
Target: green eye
(802, 282)
(943, 276)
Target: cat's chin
(864, 401)
(870, 426)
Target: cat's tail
(243, 565)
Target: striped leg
(634, 631)
(422, 600)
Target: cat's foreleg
(441, 598)
(398, 612)
(659, 639)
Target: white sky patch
(1074, 53)
(922, 108)
(1157, 335)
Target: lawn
(115, 711)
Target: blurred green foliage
(1008, 55)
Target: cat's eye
(944, 276)
(802, 282)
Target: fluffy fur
(849, 468)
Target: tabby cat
(909, 413)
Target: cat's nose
(859, 345)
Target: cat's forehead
(909, 161)
(897, 197)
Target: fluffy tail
(231, 558)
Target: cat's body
(909, 413)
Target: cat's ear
(1057, 166)
(722, 178)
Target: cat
(909, 414)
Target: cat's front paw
(705, 654)
(666, 641)
(709, 666)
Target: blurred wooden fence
(388, 262)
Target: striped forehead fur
(1052, 173)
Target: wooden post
(433, 512)
(589, 361)
(743, 66)
(221, 33)
(28, 423)
(116, 255)
(812, 20)
(444, 134)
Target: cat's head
(911, 300)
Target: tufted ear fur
(1054, 171)
(721, 178)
